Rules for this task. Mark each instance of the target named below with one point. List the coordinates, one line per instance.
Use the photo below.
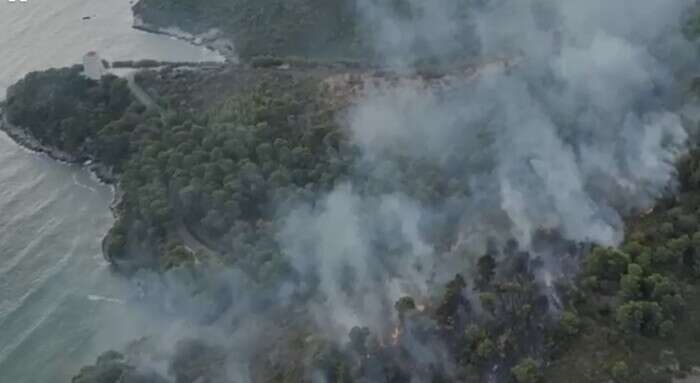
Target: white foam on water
(99, 298)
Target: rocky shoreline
(211, 40)
(28, 141)
(104, 174)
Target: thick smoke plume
(568, 127)
(568, 123)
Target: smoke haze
(571, 125)
(571, 129)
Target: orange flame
(395, 335)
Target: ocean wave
(100, 298)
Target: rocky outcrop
(212, 39)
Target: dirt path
(189, 240)
(141, 94)
(192, 243)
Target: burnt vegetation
(220, 170)
(204, 180)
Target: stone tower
(92, 66)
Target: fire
(395, 335)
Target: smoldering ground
(579, 129)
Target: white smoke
(579, 131)
(405, 30)
(336, 243)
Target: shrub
(666, 329)
(570, 324)
(486, 349)
(620, 371)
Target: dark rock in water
(112, 367)
(87, 17)
(142, 377)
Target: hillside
(524, 212)
(175, 183)
(302, 28)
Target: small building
(93, 67)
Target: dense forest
(208, 174)
(62, 108)
(303, 28)
(221, 174)
(298, 27)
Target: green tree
(640, 317)
(631, 283)
(527, 371)
(570, 323)
(486, 267)
(404, 305)
(666, 329)
(606, 263)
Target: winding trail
(188, 238)
(191, 242)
